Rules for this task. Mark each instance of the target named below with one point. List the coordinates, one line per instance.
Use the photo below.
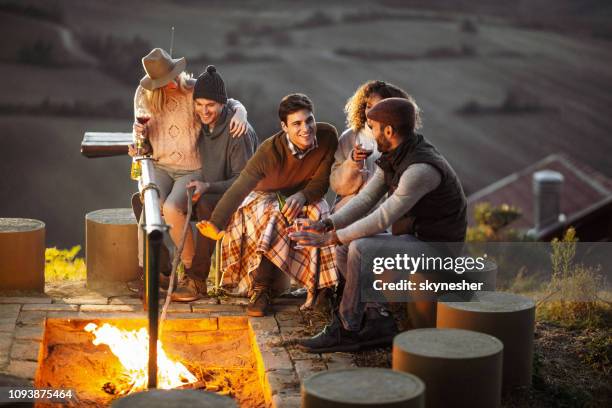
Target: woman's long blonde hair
(156, 99)
(356, 104)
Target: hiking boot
(258, 302)
(137, 285)
(378, 330)
(333, 338)
(189, 290)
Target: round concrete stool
(111, 237)
(509, 317)
(488, 275)
(360, 387)
(22, 253)
(460, 368)
(174, 398)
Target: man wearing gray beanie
(425, 204)
(223, 157)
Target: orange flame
(132, 349)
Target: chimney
(547, 198)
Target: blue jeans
(348, 259)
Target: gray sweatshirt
(418, 180)
(223, 157)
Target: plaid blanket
(258, 229)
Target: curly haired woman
(348, 175)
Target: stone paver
(276, 359)
(338, 361)
(9, 310)
(31, 317)
(305, 368)
(48, 307)
(235, 309)
(23, 369)
(283, 400)
(233, 322)
(125, 300)
(110, 308)
(25, 350)
(267, 324)
(7, 324)
(34, 332)
(282, 380)
(23, 300)
(83, 300)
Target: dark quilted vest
(440, 215)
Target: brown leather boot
(189, 290)
(259, 302)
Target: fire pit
(101, 359)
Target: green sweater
(274, 168)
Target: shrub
(62, 264)
(492, 223)
(575, 288)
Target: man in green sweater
(223, 157)
(295, 162)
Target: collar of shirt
(297, 152)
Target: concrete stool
(22, 254)
(423, 313)
(509, 317)
(360, 387)
(174, 398)
(460, 368)
(111, 237)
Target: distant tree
(492, 223)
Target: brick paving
(22, 324)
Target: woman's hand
(132, 150)
(359, 154)
(238, 123)
(209, 230)
(139, 130)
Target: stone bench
(22, 254)
(371, 387)
(111, 246)
(509, 317)
(460, 368)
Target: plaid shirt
(258, 229)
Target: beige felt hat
(160, 69)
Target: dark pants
(204, 247)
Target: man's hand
(293, 205)
(319, 227)
(238, 123)
(209, 230)
(199, 187)
(313, 239)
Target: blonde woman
(166, 94)
(354, 164)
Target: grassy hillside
(326, 49)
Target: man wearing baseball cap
(425, 203)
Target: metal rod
(154, 228)
(217, 265)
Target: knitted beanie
(397, 112)
(210, 85)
